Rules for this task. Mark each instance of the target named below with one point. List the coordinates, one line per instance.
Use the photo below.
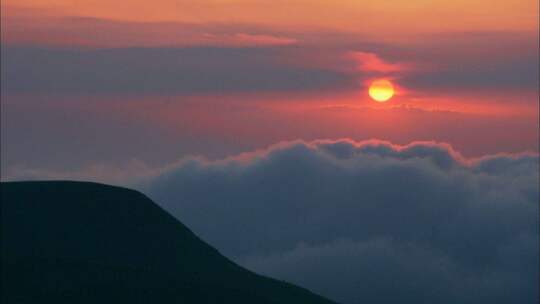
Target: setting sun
(381, 90)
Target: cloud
(368, 221)
(31, 27)
(517, 74)
(250, 39)
(457, 63)
(160, 71)
(159, 58)
(371, 62)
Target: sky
(176, 96)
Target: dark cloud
(158, 71)
(473, 61)
(370, 221)
(221, 58)
(516, 73)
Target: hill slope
(71, 242)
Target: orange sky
(220, 76)
(378, 18)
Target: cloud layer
(232, 58)
(158, 71)
(369, 221)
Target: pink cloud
(262, 39)
(371, 62)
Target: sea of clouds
(368, 222)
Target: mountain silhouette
(76, 242)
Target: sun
(381, 90)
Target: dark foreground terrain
(71, 242)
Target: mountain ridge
(68, 241)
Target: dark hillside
(71, 242)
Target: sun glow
(381, 90)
